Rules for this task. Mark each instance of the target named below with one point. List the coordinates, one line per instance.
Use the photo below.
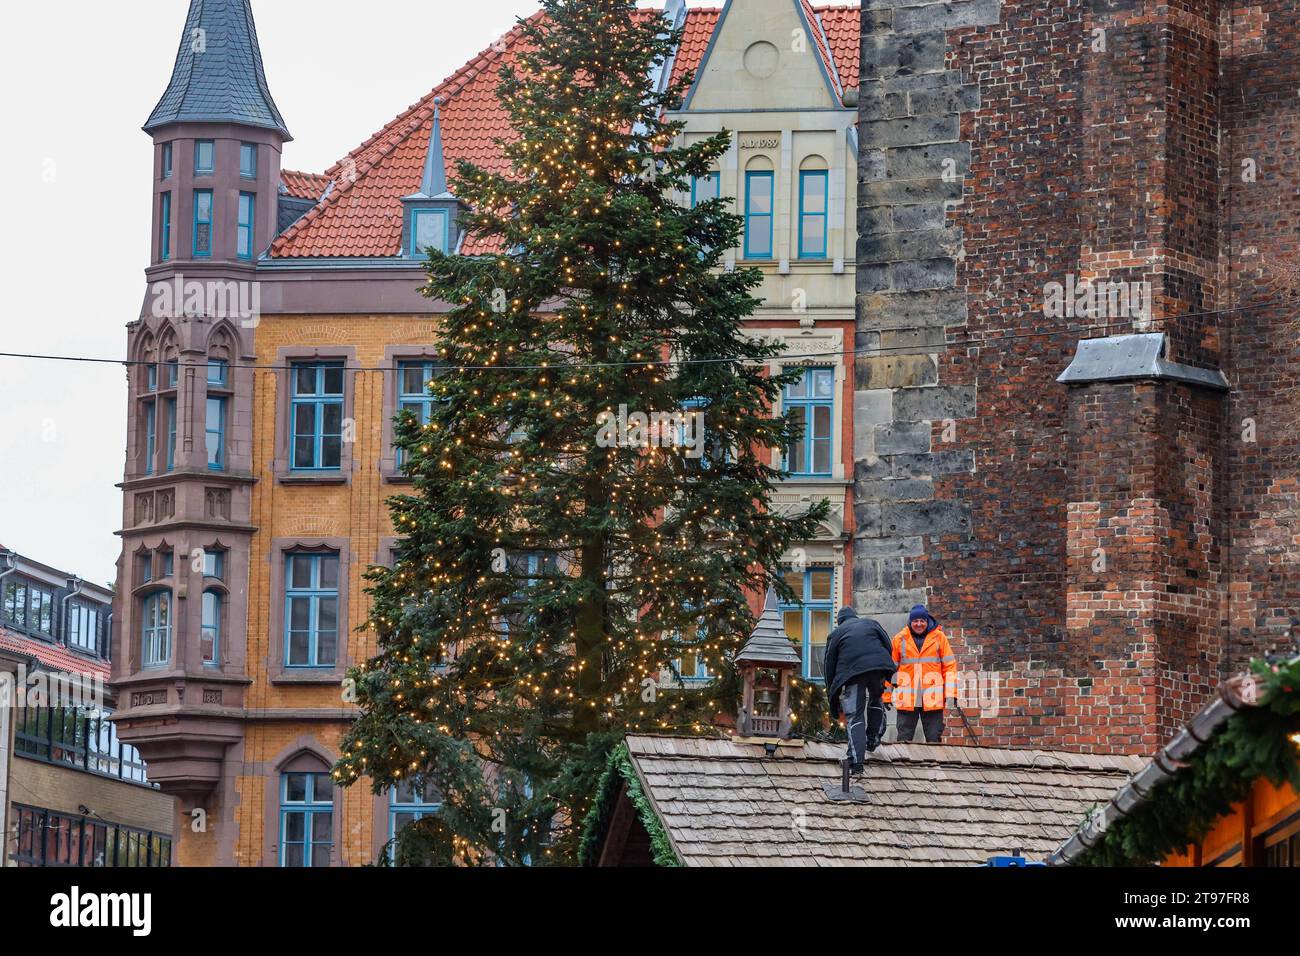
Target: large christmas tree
(560, 553)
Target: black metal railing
(47, 838)
(67, 736)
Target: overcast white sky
(79, 78)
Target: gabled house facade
(282, 328)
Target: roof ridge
(424, 106)
(948, 754)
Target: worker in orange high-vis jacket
(926, 678)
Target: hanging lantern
(766, 665)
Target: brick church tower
(1076, 387)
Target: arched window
(760, 195)
(210, 632)
(217, 411)
(814, 202)
(156, 629)
(167, 389)
(407, 804)
(146, 379)
(306, 812)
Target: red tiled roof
(819, 39)
(304, 185)
(843, 28)
(362, 216)
(51, 656)
(698, 30)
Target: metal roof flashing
(1139, 355)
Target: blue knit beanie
(918, 612)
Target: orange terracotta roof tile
(51, 657)
(698, 30)
(304, 185)
(823, 49)
(843, 28)
(362, 216)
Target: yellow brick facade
(354, 511)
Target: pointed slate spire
(218, 76)
(433, 184)
(769, 644)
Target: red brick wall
(1262, 122)
(1122, 163)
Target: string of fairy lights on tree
(544, 582)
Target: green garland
(618, 769)
(1253, 743)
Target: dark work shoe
(857, 770)
(872, 744)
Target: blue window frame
(808, 618)
(704, 188)
(210, 630)
(429, 229)
(169, 407)
(406, 804)
(218, 372)
(215, 433)
(150, 435)
(205, 157)
(151, 378)
(244, 227)
(248, 160)
(306, 819)
(814, 188)
(156, 629)
(165, 225)
(173, 373)
(214, 564)
(83, 626)
(316, 415)
(526, 568)
(758, 215)
(168, 561)
(810, 404)
(202, 222)
(311, 612)
(166, 161)
(691, 665)
(413, 394)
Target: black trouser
(931, 723)
(864, 711)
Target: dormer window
(429, 230)
(205, 157)
(248, 160)
(428, 214)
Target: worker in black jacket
(859, 660)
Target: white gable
(763, 53)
